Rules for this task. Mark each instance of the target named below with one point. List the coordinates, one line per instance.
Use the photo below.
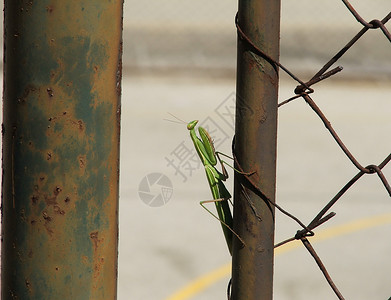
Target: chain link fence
(200, 35)
(304, 91)
(315, 37)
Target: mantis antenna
(178, 120)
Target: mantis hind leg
(216, 201)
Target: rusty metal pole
(61, 111)
(255, 149)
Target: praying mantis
(209, 158)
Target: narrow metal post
(61, 115)
(255, 149)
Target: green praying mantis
(221, 197)
(209, 158)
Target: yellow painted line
(200, 284)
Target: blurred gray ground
(180, 57)
(201, 36)
(162, 249)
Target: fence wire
(304, 91)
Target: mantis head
(192, 124)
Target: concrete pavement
(163, 249)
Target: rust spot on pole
(255, 149)
(61, 146)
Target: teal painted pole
(255, 149)
(61, 117)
